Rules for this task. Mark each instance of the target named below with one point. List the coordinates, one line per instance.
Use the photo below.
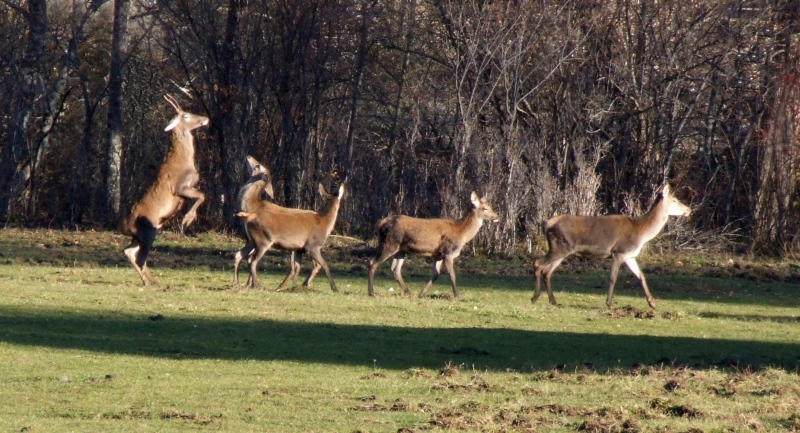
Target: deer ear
(251, 165)
(341, 191)
(322, 191)
(268, 189)
(172, 124)
(475, 199)
(665, 190)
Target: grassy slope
(83, 347)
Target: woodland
(544, 107)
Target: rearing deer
(250, 198)
(619, 236)
(270, 225)
(175, 183)
(441, 239)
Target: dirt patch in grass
(476, 384)
(609, 421)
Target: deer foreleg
(190, 193)
(437, 270)
(294, 269)
(634, 267)
(252, 282)
(616, 262)
(451, 270)
(247, 251)
(317, 256)
(397, 267)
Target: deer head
(482, 209)
(183, 120)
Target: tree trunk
(116, 129)
(30, 86)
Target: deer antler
(174, 102)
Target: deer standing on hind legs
(175, 183)
(440, 239)
(619, 236)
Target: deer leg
(397, 269)
(374, 263)
(313, 274)
(140, 247)
(314, 271)
(132, 252)
(616, 262)
(247, 251)
(294, 269)
(537, 271)
(252, 282)
(190, 193)
(451, 270)
(548, 272)
(317, 256)
(634, 267)
(437, 269)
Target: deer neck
(182, 145)
(470, 224)
(331, 214)
(654, 220)
(250, 194)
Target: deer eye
(186, 116)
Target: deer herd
(268, 225)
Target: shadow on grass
(385, 347)
(751, 317)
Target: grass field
(84, 347)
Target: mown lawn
(85, 347)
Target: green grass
(84, 347)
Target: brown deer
(619, 236)
(175, 183)
(440, 239)
(250, 197)
(301, 231)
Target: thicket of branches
(580, 106)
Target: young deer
(250, 197)
(175, 183)
(270, 225)
(619, 236)
(440, 239)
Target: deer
(176, 182)
(301, 231)
(439, 239)
(619, 236)
(250, 197)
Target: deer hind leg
(132, 252)
(139, 249)
(437, 270)
(386, 252)
(634, 267)
(190, 193)
(317, 256)
(397, 271)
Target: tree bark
(116, 128)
